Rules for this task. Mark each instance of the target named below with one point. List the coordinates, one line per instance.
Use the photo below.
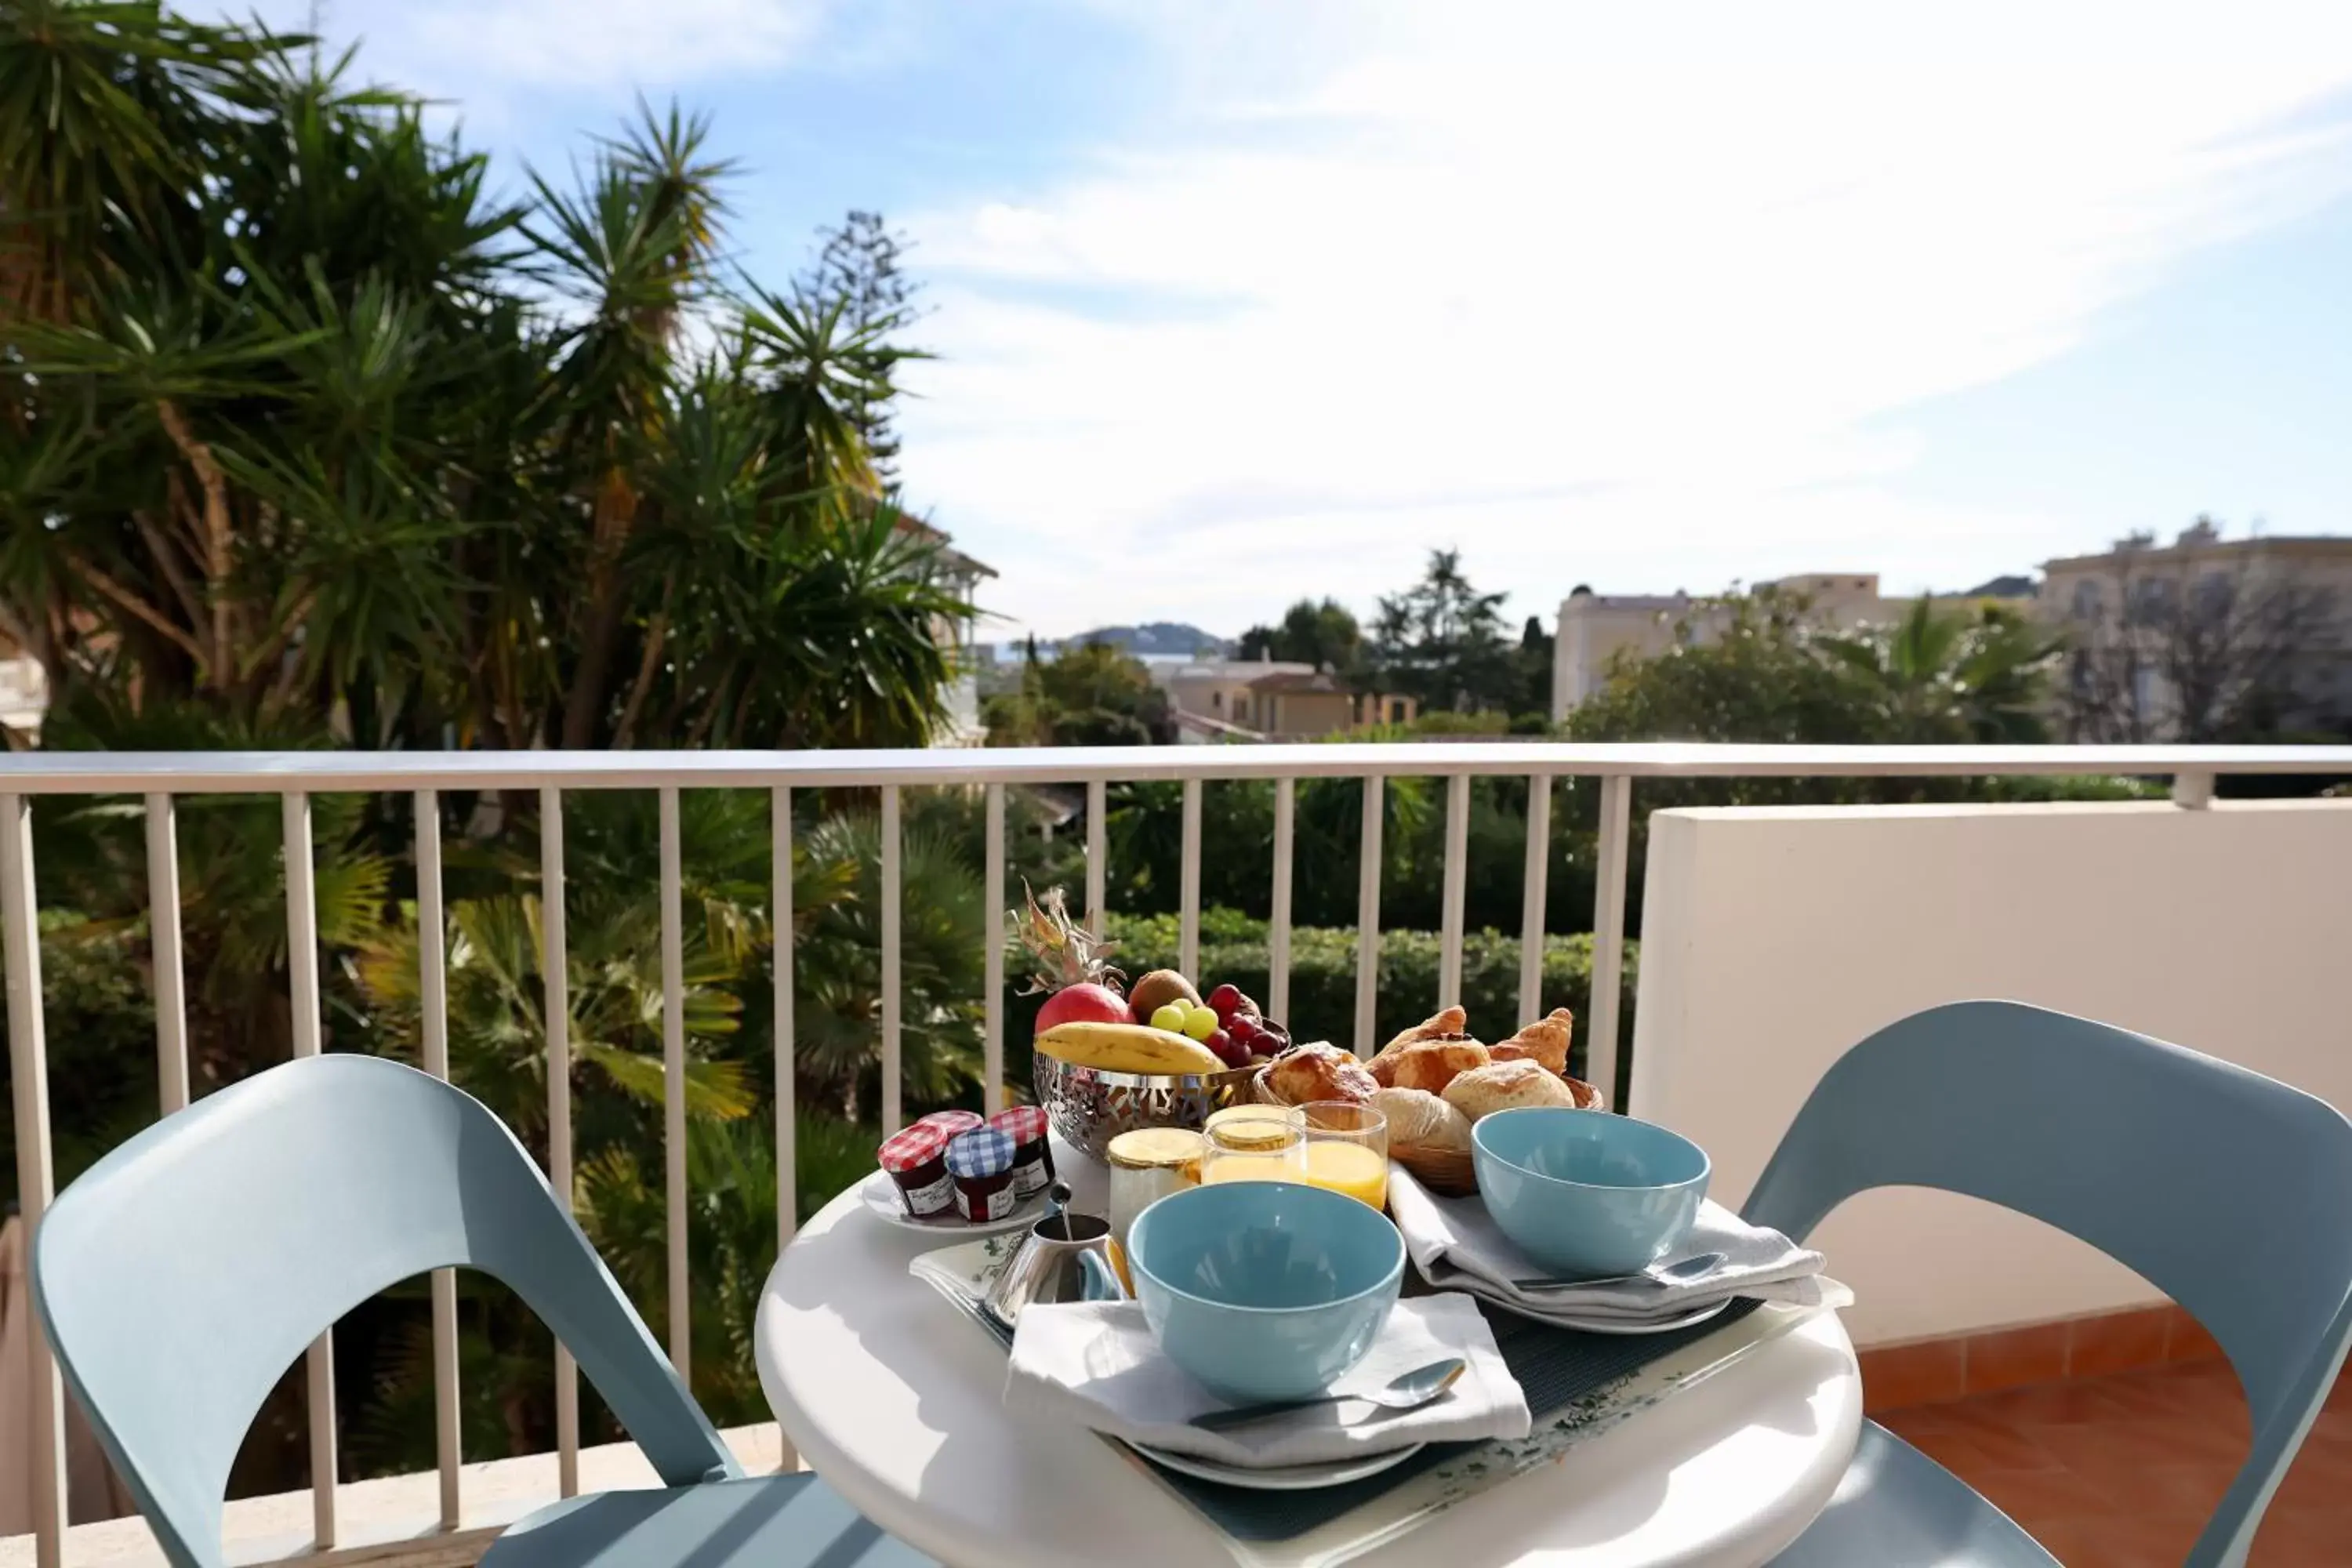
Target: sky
(1239, 301)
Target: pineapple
(1068, 963)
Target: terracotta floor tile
(2054, 1404)
(2301, 1537)
(2175, 1441)
(2320, 1477)
(2039, 1494)
(1999, 1443)
(2123, 1471)
(2013, 1358)
(2188, 1340)
(2332, 1429)
(1923, 1418)
(2117, 1342)
(1895, 1376)
(2109, 1540)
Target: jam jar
(1033, 1157)
(979, 1164)
(916, 1159)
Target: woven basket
(1445, 1172)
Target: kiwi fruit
(1159, 988)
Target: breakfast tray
(1578, 1386)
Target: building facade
(2205, 636)
(961, 725)
(1595, 628)
(1216, 700)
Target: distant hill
(1161, 639)
(1157, 640)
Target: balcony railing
(160, 778)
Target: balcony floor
(2123, 1471)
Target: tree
(1441, 641)
(2208, 661)
(305, 441)
(1753, 672)
(1535, 670)
(1951, 677)
(1089, 694)
(859, 265)
(1324, 635)
(295, 432)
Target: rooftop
(2194, 544)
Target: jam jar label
(930, 1198)
(994, 1204)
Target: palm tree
(299, 433)
(307, 441)
(1952, 676)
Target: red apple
(1085, 1003)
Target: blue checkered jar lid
(982, 1151)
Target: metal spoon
(1690, 1267)
(1421, 1385)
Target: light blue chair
(2229, 1191)
(185, 1271)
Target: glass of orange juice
(1347, 1149)
(1254, 1149)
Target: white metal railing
(160, 777)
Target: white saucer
(1285, 1477)
(880, 1196)
(1689, 1320)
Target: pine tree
(858, 267)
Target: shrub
(1323, 977)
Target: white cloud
(476, 53)
(1593, 303)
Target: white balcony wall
(1772, 940)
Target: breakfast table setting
(1216, 1296)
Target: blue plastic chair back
(182, 1274)
(2229, 1191)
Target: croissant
(1546, 1040)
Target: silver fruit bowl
(1089, 1107)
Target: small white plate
(1285, 1477)
(1689, 1320)
(880, 1196)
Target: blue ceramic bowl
(1586, 1193)
(1264, 1289)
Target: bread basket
(1447, 1172)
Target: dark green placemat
(1556, 1367)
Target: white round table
(895, 1399)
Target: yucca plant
(306, 441)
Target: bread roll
(1421, 1123)
(1505, 1086)
(1319, 1071)
(1546, 1040)
(1452, 1022)
(1433, 1064)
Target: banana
(1127, 1047)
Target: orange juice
(1349, 1168)
(1223, 1167)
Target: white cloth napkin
(1458, 1246)
(1095, 1364)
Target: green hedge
(1323, 977)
